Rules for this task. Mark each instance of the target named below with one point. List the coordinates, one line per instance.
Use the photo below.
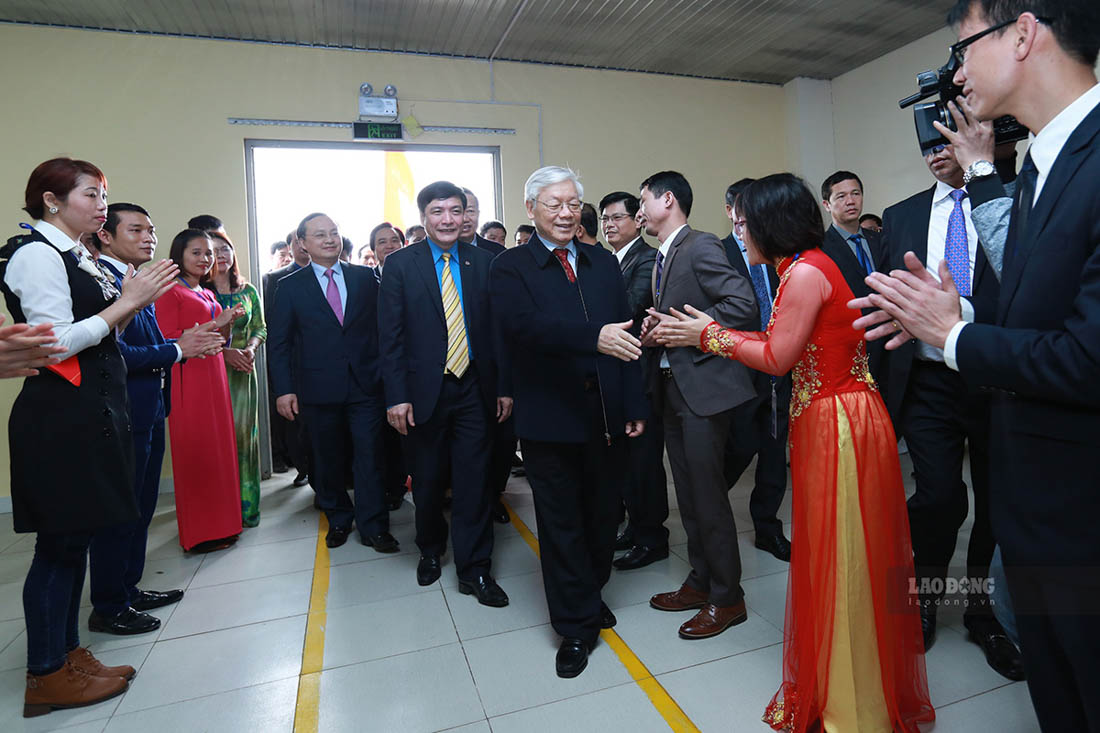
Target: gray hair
(548, 176)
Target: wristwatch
(978, 169)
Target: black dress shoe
(607, 619)
(640, 556)
(499, 513)
(384, 542)
(149, 599)
(486, 589)
(928, 628)
(427, 570)
(279, 467)
(776, 544)
(572, 657)
(301, 479)
(1000, 653)
(337, 536)
(395, 502)
(624, 541)
(126, 623)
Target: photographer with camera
(1040, 357)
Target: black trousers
(394, 464)
(117, 554)
(696, 451)
(330, 427)
(503, 450)
(577, 491)
(452, 448)
(939, 418)
(751, 435)
(1056, 615)
(645, 492)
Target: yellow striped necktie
(458, 355)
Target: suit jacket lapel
(426, 266)
(846, 260)
(667, 264)
(316, 292)
(1067, 163)
(918, 229)
(630, 256)
(467, 276)
(351, 282)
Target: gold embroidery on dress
(718, 340)
(806, 379)
(861, 368)
(780, 714)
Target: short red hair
(58, 176)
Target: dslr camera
(941, 81)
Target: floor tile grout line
(308, 702)
(664, 703)
(197, 697)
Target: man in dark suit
(645, 492)
(1041, 355)
(761, 428)
(443, 388)
(564, 316)
(696, 396)
(856, 251)
(323, 346)
(502, 434)
(117, 554)
(938, 414)
(289, 440)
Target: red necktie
(563, 256)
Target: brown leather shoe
(68, 687)
(684, 599)
(712, 620)
(83, 660)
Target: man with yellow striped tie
(443, 386)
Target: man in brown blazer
(697, 395)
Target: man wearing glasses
(1040, 358)
(760, 430)
(645, 492)
(578, 399)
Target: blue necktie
(660, 266)
(956, 250)
(864, 260)
(763, 293)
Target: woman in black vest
(69, 431)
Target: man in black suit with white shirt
(1041, 355)
(645, 492)
(760, 429)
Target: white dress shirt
(942, 206)
(122, 267)
(37, 276)
(338, 278)
(662, 251)
(621, 253)
(1044, 150)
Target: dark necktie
(864, 260)
(763, 294)
(562, 254)
(1025, 197)
(956, 249)
(660, 267)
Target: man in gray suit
(696, 395)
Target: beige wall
(152, 113)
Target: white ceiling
(768, 41)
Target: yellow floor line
(313, 651)
(669, 709)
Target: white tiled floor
(401, 658)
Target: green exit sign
(376, 130)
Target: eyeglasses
(617, 218)
(574, 206)
(739, 224)
(958, 50)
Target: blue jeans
(51, 599)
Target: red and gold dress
(853, 657)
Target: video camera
(1005, 129)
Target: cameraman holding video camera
(1040, 358)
